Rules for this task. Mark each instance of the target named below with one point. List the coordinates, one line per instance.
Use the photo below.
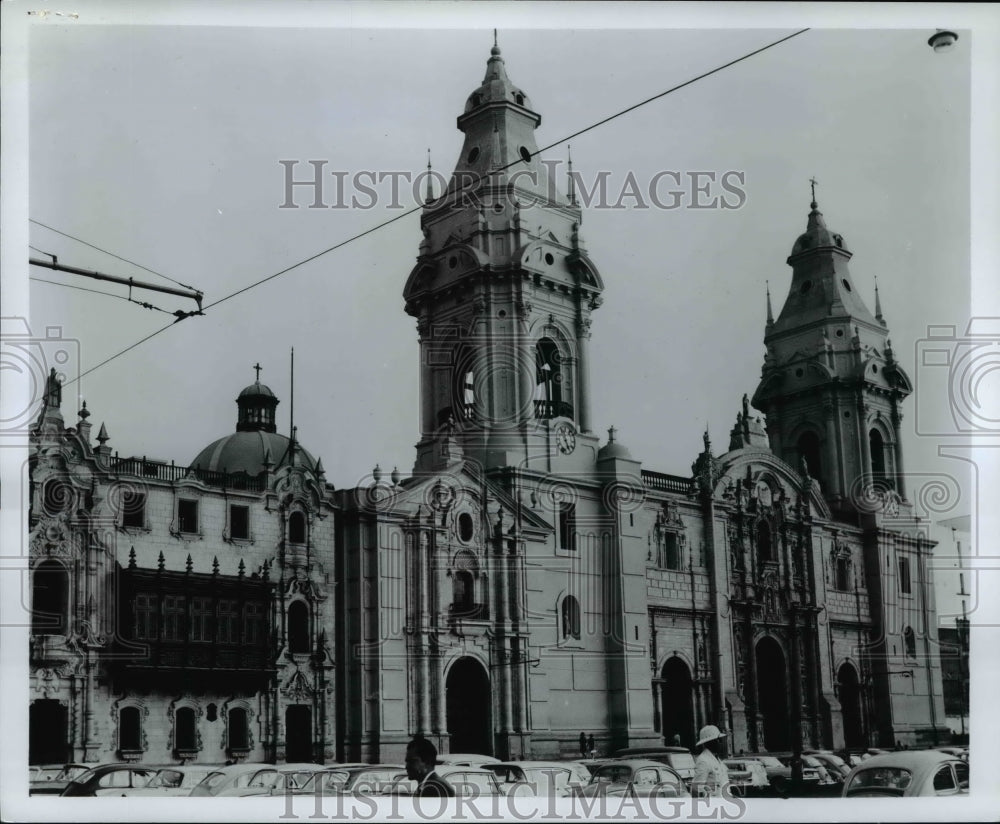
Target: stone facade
(524, 582)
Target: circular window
(847, 414)
(466, 527)
(452, 262)
(549, 259)
(798, 373)
(473, 154)
(806, 286)
(847, 286)
(840, 333)
(502, 313)
(498, 207)
(525, 154)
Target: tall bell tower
(830, 386)
(503, 292)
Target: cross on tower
(258, 367)
(812, 185)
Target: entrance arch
(772, 695)
(677, 703)
(849, 690)
(468, 702)
(48, 732)
(298, 734)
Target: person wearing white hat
(710, 774)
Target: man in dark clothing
(583, 745)
(591, 747)
(421, 755)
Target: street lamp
(942, 40)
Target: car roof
(635, 763)
(909, 759)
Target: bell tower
(503, 292)
(830, 386)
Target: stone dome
(248, 452)
(496, 86)
(613, 448)
(817, 235)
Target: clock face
(565, 438)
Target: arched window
(238, 729)
(843, 574)
(130, 729)
(49, 599)
(551, 397)
(298, 628)
(910, 642)
(463, 592)
(570, 618)
(809, 451)
(185, 737)
(297, 528)
(765, 544)
(876, 447)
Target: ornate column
(583, 366)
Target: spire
(430, 189)
(878, 304)
(102, 435)
(770, 314)
(570, 186)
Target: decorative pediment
(297, 689)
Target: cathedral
(529, 576)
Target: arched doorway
(298, 734)
(47, 732)
(772, 695)
(468, 702)
(677, 703)
(849, 691)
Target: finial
(430, 189)
(496, 48)
(812, 186)
(611, 434)
(395, 476)
(189, 565)
(707, 439)
(160, 562)
(215, 565)
(102, 435)
(84, 412)
(131, 558)
(377, 473)
(878, 303)
(770, 314)
(257, 367)
(242, 569)
(569, 175)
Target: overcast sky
(162, 144)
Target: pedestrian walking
(591, 747)
(421, 756)
(710, 774)
(583, 745)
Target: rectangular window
(201, 619)
(229, 617)
(187, 516)
(173, 618)
(134, 509)
(843, 574)
(671, 552)
(904, 576)
(253, 623)
(145, 616)
(567, 527)
(239, 522)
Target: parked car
(746, 776)
(835, 765)
(224, 778)
(273, 779)
(779, 772)
(908, 773)
(542, 778)
(172, 781)
(468, 781)
(466, 759)
(678, 759)
(640, 777)
(109, 779)
(45, 782)
(367, 779)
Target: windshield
(682, 761)
(881, 777)
(166, 778)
